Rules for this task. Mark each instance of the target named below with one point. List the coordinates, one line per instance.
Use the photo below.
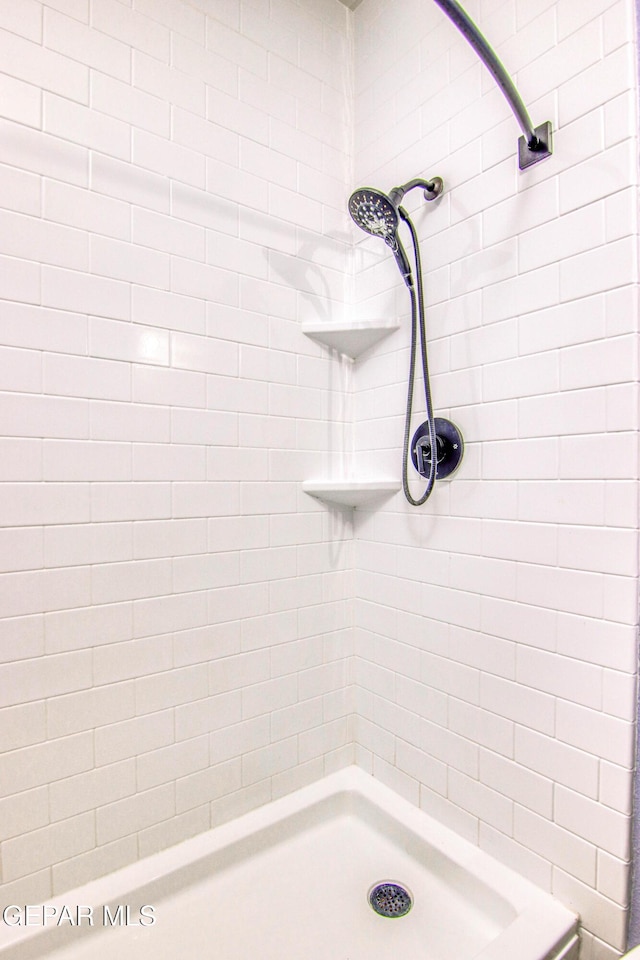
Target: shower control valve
(449, 448)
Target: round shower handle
(449, 448)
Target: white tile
(597, 270)
(512, 780)
(168, 462)
(571, 679)
(26, 504)
(239, 738)
(23, 725)
(162, 614)
(32, 851)
(601, 826)
(44, 67)
(123, 421)
(131, 737)
(20, 280)
(29, 633)
(45, 763)
(130, 183)
(86, 377)
(26, 20)
(598, 549)
(528, 707)
(116, 582)
(162, 81)
(619, 698)
(130, 814)
(21, 370)
(557, 761)
(23, 459)
(86, 460)
(595, 733)
(161, 232)
(220, 779)
(77, 42)
(191, 352)
(615, 787)
(83, 125)
(482, 801)
(129, 262)
(24, 812)
(95, 863)
(164, 157)
(172, 762)
(78, 207)
(115, 340)
(21, 102)
(169, 538)
(480, 726)
(598, 364)
(190, 57)
(239, 49)
(570, 234)
(88, 709)
(606, 78)
(118, 99)
(173, 386)
(186, 21)
(70, 290)
(190, 278)
(242, 118)
(609, 918)
(556, 844)
(86, 791)
(40, 153)
(132, 28)
(207, 714)
(168, 833)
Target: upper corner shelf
(350, 338)
(351, 493)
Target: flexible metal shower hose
(418, 316)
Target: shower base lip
(351, 493)
(338, 835)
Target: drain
(390, 899)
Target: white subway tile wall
(496, 626)
(185, 634)
(176, 614)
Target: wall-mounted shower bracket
(543, 147)
(449, 445)
(431, 189)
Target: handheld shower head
(375, 213)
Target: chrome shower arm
(535, 144)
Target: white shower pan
(291, 880)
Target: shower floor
(297, 887)
(306, 898)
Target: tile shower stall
(186, 633)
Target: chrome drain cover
(390, 899)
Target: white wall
(175, 610)
(496, 625)
(177, 626)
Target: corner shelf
(350, 493)
(350, 338)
